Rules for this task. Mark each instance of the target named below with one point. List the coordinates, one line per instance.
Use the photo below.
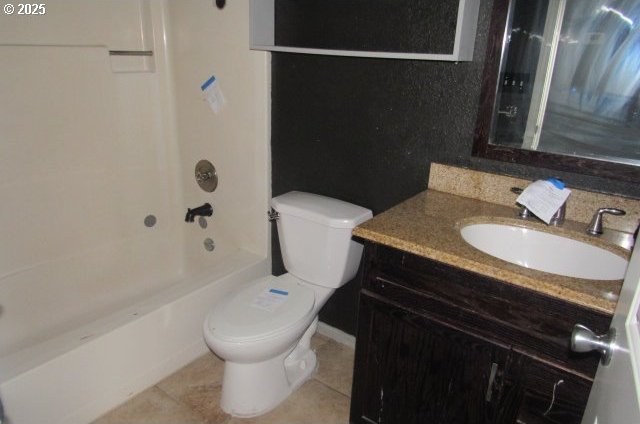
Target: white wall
(84, 157)
(205, 41)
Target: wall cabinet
(401, 29)
(437, 344)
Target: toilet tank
(315, 237)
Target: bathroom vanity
(448, 334)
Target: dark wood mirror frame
(483, 148)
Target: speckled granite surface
(428, 225)
(493, 188)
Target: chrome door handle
(585, 340)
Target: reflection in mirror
(575, 91)
(569, 81)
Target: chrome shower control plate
(206, 175)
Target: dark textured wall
(366, 130)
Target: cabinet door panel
(552, 396)
(420, 371)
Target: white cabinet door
(615, 396)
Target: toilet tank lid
(321, 209)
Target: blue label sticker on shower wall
(276, 291)
(212, 94)
(208, 83)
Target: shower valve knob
(203, 176)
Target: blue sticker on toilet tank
(281, 292)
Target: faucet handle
(595, 226)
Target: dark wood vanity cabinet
(437, 344)
(421, 371)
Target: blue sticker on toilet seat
(270, 299)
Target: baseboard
(336, 334)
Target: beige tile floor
(192, 395)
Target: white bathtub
(77, 375)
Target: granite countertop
(429, 223)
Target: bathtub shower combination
(103, 285)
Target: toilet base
(253, 389)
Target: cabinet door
(413, 369)
(551, 395)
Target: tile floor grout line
(333, 389)
(157, 386)
(180, 402)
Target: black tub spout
(204, 210)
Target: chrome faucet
(595, 226)
(524, 213)
(556, 220)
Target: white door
(615, 396)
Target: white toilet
(263, 331)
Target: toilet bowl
(263, 330)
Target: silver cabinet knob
(585, 340)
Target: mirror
(561, 87)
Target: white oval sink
(545, 252)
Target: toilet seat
(266, 308)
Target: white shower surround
(94, 306)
